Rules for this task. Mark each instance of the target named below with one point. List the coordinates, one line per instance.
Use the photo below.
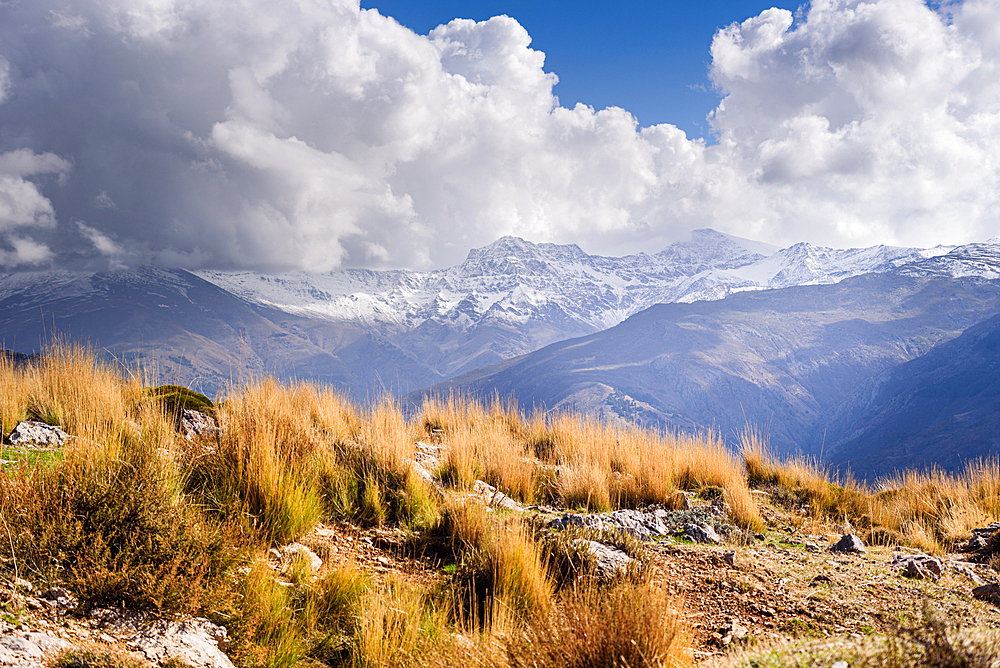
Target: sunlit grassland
(131, 513)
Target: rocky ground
(798, 579)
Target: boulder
(38, 435)
(30, 650)
(610, 561)
(989, 593)
(196, 642)
(289, 553)
(849, 543)
(494, 497)
(197, 425)
(59, 597)
(701, 533)
(981, 537)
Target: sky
(649, 57)
(278, 135)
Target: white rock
(194, 641)
(37, 435)
(292, 550)
(610, 560)
(494, 497)
(21, 647)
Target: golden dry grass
(132, 512)
(931, 510)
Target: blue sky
(650, 58)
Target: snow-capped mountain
(971, 260)
(515, 282)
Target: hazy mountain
(398, 331)
(513, 297)
(940, 409)
(186, 330)
(781, 359)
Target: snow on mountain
(980, 260)
(513, 282)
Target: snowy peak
(980, 260)
(558, 288)
(513, 256)
(709, 249)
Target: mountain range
(820, 368)
(716, 332)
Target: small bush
(177, 398)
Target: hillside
(186, 330)
(941, 409)
(777, 359)
(292, 528)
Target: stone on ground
(37, 435)
(849, 543)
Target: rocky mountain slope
(783, 360)
(181, 329)
(369, 332)
(941, 409)
(548, 290)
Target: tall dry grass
(932, 510)
(579, 462)
(107, 516)
(132, 513)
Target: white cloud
(312, 133)
(64, 19)
(23, 207)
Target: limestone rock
(849, 543)
(38, 435)
(610, 561)
(968, 570)
(30, 650)
(196, 642)
(494, 497)
(59, 597)
(197, 425)
(289, 553)
(701, 533)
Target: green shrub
(176, 398)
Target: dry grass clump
(803, 479)
(108, 517)
(290, 456)
(935, 510)
(931, 510)
(499, 564)
(579, 462)
(626, 625)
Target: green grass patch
(33, 457)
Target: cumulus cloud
(276, 134)
(23, 207)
